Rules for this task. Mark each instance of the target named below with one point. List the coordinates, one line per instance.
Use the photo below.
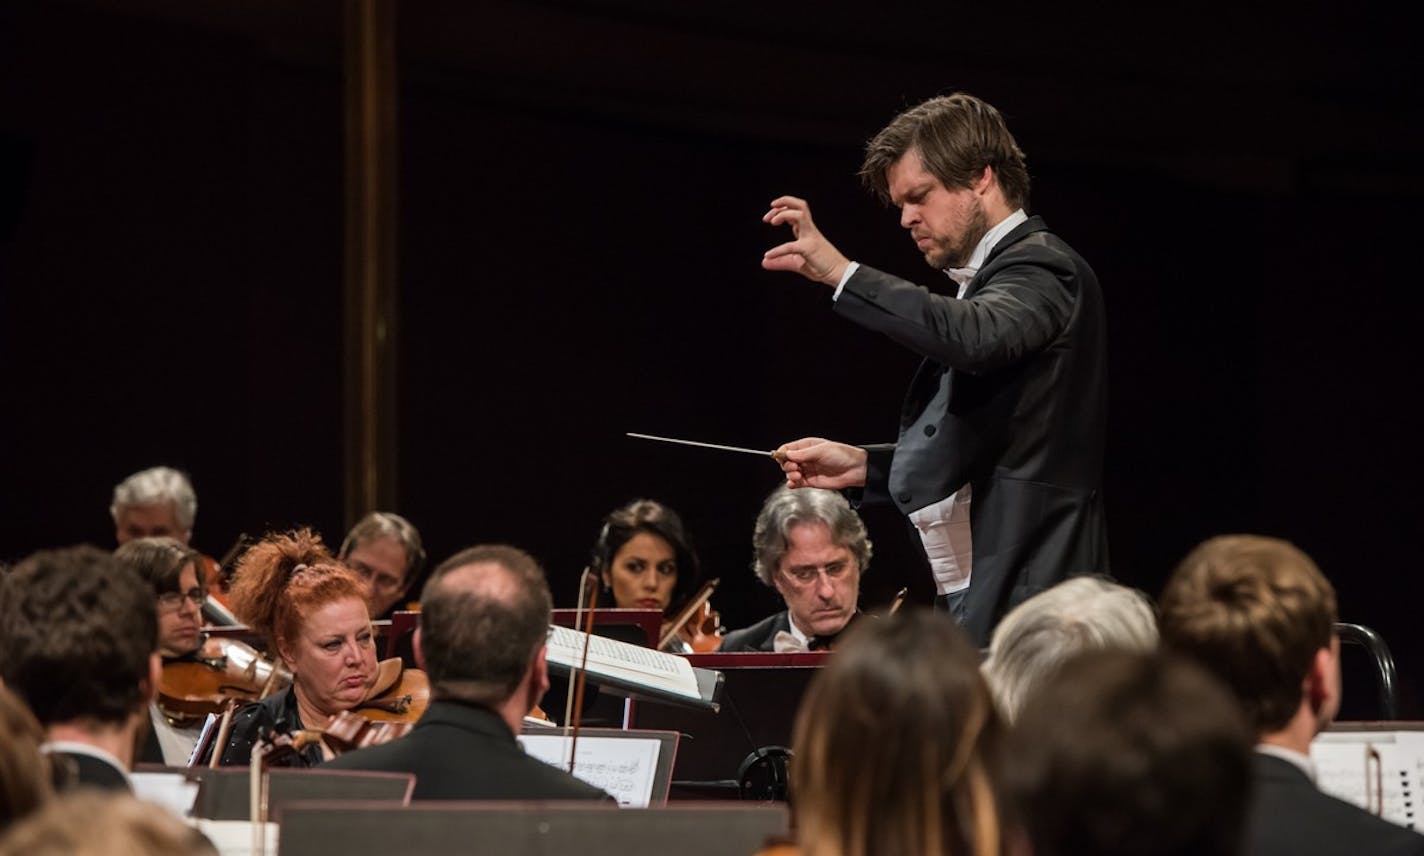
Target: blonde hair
(897, 745)
(89, 822)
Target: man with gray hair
(810, 546)
(484, 624)
(1041, 634)
(154, 503)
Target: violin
(397, 695)
(696, 624)
(222, 670)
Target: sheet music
(1342, 770)
(173, 791)
(623, 766)
(234, 837)
(609, 656)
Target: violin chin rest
(387, 673)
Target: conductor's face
(819, 579)
(945, 223)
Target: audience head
(175, 573)
(484, 622)
(645, 558)
(25, 776)
(385, 549)
(78, 635)
(313, 611)
(1260, 615)
(897, 745)
(1128, 753)
(156, 502)
(90, 822)
(1038, 635)
(811, 546)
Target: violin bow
(899, 601)
(675, 627)
(582, 677)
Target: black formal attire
(255, 721)
(762, 635)
(461, 751)
(74, 770)
(1011, 399)
(1290, 816)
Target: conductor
(999, 459)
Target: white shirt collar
(1306, 765)
(963, 275)
(796, 631)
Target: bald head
(484, 615)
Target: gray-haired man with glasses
(810, 546)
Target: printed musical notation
(1380, 771)
(623, 766)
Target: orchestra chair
(1377, 657)
(527, 828)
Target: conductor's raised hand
(814, 462)
(810, 254)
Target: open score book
(638, 671)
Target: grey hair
(386, 524)
(1040, 634)
(786, 508)
(155, 485)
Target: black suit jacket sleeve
(1014, 315)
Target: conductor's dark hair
(484, 614)
(957, 136)
(77, 629)
(1125, 753)
(654, 518)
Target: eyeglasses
(805, 575)
(172, 601)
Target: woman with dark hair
(312, 612)
(930, 784)
(644, 560)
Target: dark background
(580, 193)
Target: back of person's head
(1123, 753)
(897, 745)
(1254, 611)
(957, 136)
(89, 822)
(786, 508)
(159, 561)
(25, 776)
(1038, 635)
(77, 631)
(484, 615)
(284, 578)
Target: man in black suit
(78, 643)
(1000, 451)
(484, 623)
(811, 547)
(1259, 614)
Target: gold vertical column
(369, 63)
